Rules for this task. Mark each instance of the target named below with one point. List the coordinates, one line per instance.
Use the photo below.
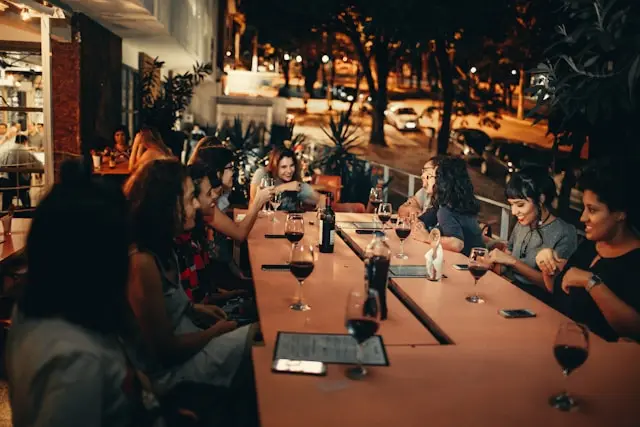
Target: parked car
(402, 118)
(471, 142)
(502, 158)
(345, 93)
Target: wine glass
(384, 213)
(571, 349)
(403, 229)
(301, 265)
(266, 182)
(362, 320)
(294, 228)
(276, 201)
(375, 197)
(478, 266)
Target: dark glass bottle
(327, 228)
(376, 262)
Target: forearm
(624, 319)
(531, 274)
(183, 347)
(452, 244)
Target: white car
(402, 118)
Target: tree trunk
(381, 52)
(520, 113)
(448, 94)
(285, 70)
(419, 71)
(569, 181)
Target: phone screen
(299, 367)
(461, 266)
(517, 313)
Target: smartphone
(275, 236)
(520, 313)
(305, 367)
(363, 231)
(463, 267)
(276, 267)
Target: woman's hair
(120, 129)
(275, 156)
(156, 196)
(435, 160)
(77, 253)
(453, 187)
(213, 154)
(151, 137)
(612, 181)
(200, 170)
(532, 183)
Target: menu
(329, 348)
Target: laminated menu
(329, 348)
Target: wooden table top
(457, 385)
(15, 242)
(119, 169)
(325, 290)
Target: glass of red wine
(362, 320)
(403, 230)
(301, 266)
(571, 350)
(478, 266)
(375, 198)
(384, 213)
(294, 228)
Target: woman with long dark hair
(531, 193)
(598, 285)
(455, 208)
(65, 364)
(284, 169)
(172, 348)
(147, 146)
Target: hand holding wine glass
(301, 265)
(362, 320)
(571, 349)
(479, 263)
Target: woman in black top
(600, 283)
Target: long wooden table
(325, 290)
(497, 371)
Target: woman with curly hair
(455, 207)
(147, 146)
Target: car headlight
(350, 98)
(410, 125)
(510, 164)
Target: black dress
(621, 275)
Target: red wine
(301, 269)
(376, 204)
(403, 233)
(384, 218)
(362, 329)
(570, 358)
(377, 275)
(477, 271)
(294, 236)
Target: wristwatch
(593, 282)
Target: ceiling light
(25, 14)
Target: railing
(387, 171)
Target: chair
(328, 184)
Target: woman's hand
(575, 277)
(212, 311)
(498, 256)
(263, 196)
(549, 262)
(289, 186)
(420, 233)
(222, 327)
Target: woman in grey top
(531, 193)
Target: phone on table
(365, 231)
(305, 367)
(520, 313)
(462, 267)
(275, 236)
(276, 267)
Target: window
(130, 99)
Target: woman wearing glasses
(421, 201)
(531, 193)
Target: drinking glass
(301, 265)
(362, 320)
(384, 213)
(403, 230)
(294, 228)
(266, 182)
(276, 201)
(571, 349)
(478, 266)
(375, 197)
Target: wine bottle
(327, 228)
(377, 260)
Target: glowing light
(345, 59)
(325, 59)
(514, 72)
(25, 14)
(228, 53)
(473, 70)
(287, 57)
(298, 58)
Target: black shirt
(621, 275)
(453, 224)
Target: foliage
(162, 109)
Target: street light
(228, 53)
(298, 58)
(345, 59)
(287, 57)
(325, 59)
(514, 72)
(473, 70)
